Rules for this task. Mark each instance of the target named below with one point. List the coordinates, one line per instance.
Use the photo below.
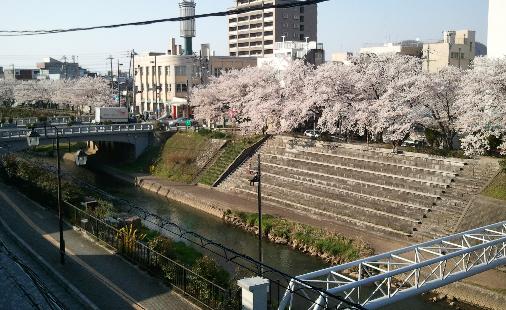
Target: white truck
(111, 115)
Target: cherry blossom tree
(6, 91)
(296, 109)
(482, 106)
(90, 92)
(437, 95)
(380, 111)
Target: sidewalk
(102, 279)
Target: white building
(497, 28)
(410, 48)
(286, 51)
(163, 81)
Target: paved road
(103, 280)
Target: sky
(343, 25)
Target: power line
(298, 3)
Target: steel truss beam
(388, 278)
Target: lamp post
(33, 140)
(257, 178)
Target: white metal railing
(387, 278)
(80, 130)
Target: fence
(198, 289)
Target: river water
(278, 256)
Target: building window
(181, 88)
(301, 10)
(301, 37)
(301, 18)
(285, 15)
(167, 70)
(301, 28)
(180, 70)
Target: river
(278, 256)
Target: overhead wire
(263, 6)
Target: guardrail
(77, 130)
(202, 291)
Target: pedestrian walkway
(98, 277)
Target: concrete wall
(483, 211)
(497, 28)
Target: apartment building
(457, 49)
(255, 33)
(497, 29)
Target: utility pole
(111, 58)
(65, 66)
(119, 86)
(259, 174)
(13, 72)
(134, 90)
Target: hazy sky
(343, 25)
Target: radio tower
(187, 9)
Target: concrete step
(412, 159)
(370, 188)
(301, 194)
(371, 164)
(357, 174)
(317, 213)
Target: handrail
(17, 133)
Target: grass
(178, 159)
(497, 189)
(320, 240)
(227, 157)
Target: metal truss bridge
(384, 279)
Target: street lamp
(81, 158)
(257, 178)
(33, 140)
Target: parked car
(412, 143)
(313, 134)
(181, 122)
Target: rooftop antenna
(187, 9)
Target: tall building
(255, 33)
(457, 49)
(497, 28)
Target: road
(92, 277)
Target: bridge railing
(17, 133)
(23, 122)
(387, 278)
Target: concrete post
(254, 293)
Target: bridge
(384, 279)
(137, 135)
